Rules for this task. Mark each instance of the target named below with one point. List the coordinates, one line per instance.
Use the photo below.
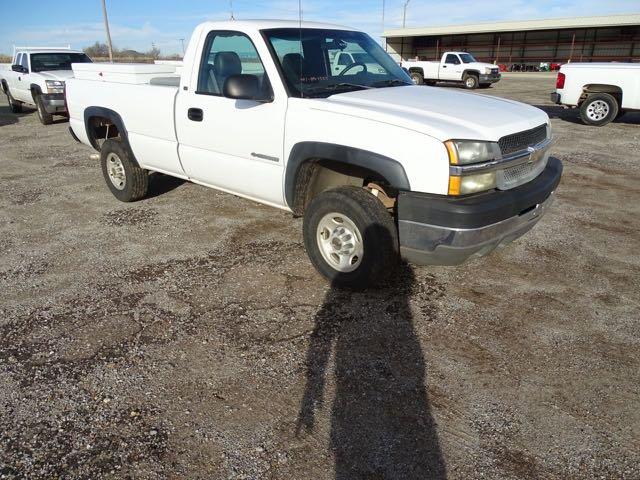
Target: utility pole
(404, 13)
(106, 27)
(182, 41)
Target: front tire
(470, 81)
(126, 180)
(45, 117)
(599, 109)
(350, 237)
(417, 78)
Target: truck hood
(480, 66)
(442, 113)
(57, 75)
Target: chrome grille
(520, 174)
(521, 140)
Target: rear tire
(350, 237)
(417, 78)
(470, 81)
(45, 117)
(14, 105)
(126, 180)
(598, 109)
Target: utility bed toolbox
(132, 73)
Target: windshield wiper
(335, 86)
(390, 83)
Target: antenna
(231, 8)
(301, 51)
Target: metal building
(560, 40)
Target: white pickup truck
(602, 91)
(378, 167)
(36, 78)
(453, 67)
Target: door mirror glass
(18, 68)
(244, 87)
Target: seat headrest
(292, 65)
(227, 63)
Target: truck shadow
(381, 422)
(159, 184)
(573, 115)
(9, 118)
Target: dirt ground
(187, 335)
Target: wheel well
(5, 87)
(416, 70)
(100, 129)
(475, 73)
(612, 90)
(318, 175)
(35, 90)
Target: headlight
(487, 70)
(55, 86)
(463, 152)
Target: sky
(137, 24)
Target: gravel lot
(187, 335)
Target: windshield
(467, 58)
(42, 62)
(319, 63)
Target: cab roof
(269, 24)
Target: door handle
(195, 114)
(444, 66)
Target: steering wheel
(354, 64)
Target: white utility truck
(36, 78)
(378, 167)
(602, 91)
(458, 67)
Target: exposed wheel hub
(597, 110)
(116, 172)
(340, 242)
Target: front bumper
(556, 98)
(54, 103)
(438, 230)
(490, 78)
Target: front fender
(301, 152)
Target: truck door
(451, 68)
(233, 145)
(22, 91)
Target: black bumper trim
(479, 210)
(556, 98)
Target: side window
(225, 54)
(25, 61)
(18, 59)
(452, 59)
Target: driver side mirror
(244, 87)
(19, 69)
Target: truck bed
(143, 95)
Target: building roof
(519, 25)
